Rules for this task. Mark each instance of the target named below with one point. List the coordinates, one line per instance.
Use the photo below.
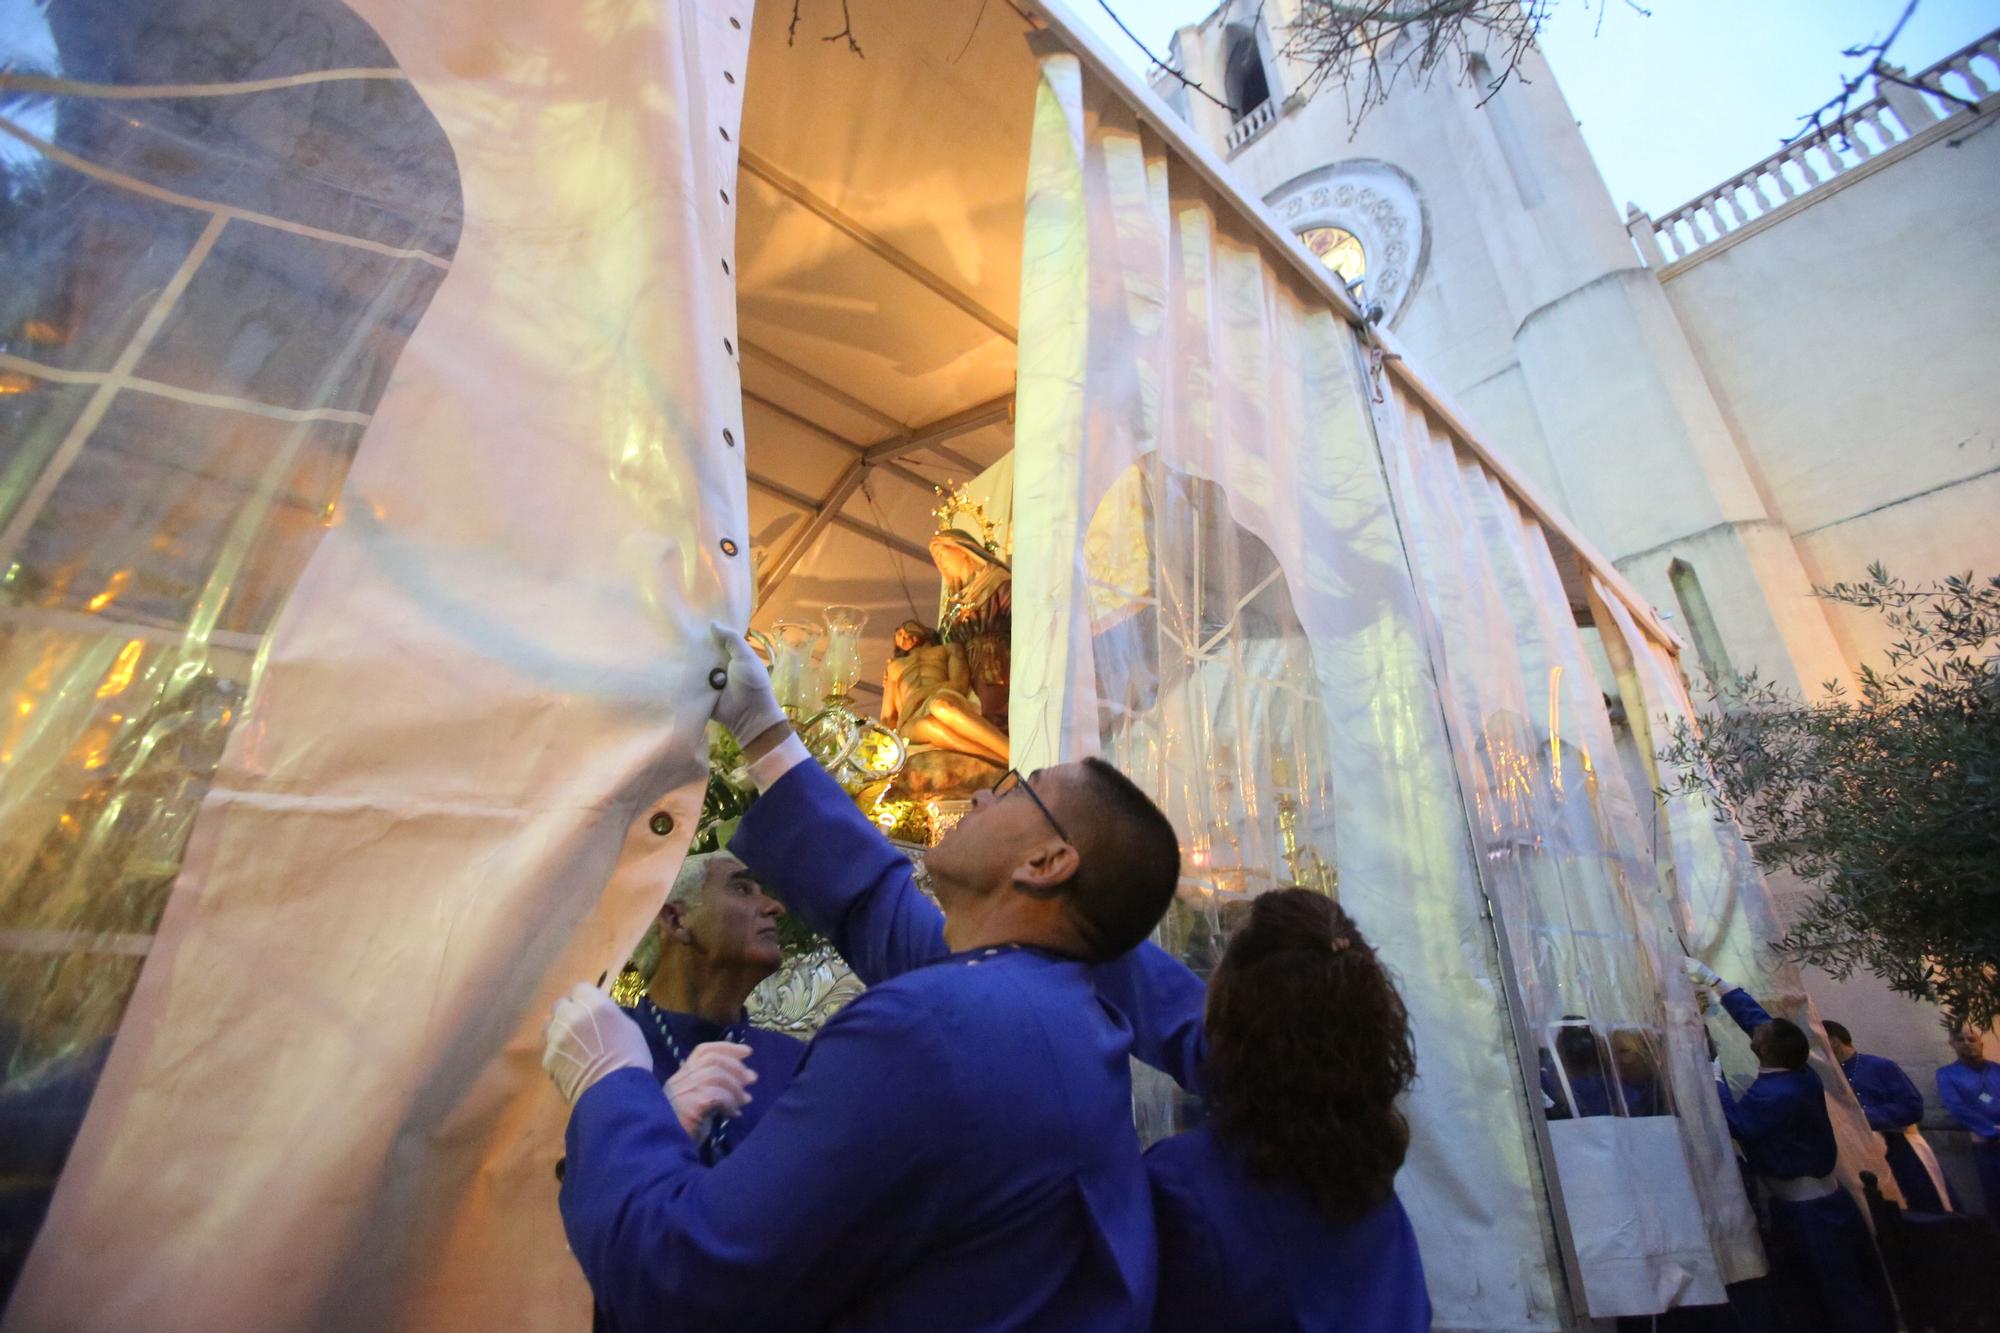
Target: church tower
(1478, 222)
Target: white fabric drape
(325, 1108)
(1659, 1217)
(1209, 570)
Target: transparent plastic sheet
(1209, 569)
(364, 376)
(1658, 1216)
(1718, 893)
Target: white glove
(746, 703)
(588, 1037)
(712, 1081)
(1701, 974)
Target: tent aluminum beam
(993, 412)
(792, 189)
(897, 470)
(802, 376)
(826, 510)
(759, 353)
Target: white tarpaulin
(324, 1109)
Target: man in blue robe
(956, 1148)
(1970, 1090)
(1824, 1270)
(828, 864)
(1894, 1107)
(718, 938)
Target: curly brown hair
(1309, 1047)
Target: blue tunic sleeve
(783, 1232)
(1959, 1089)
(812, 848)
(1743, 1007)
(1163, 1001)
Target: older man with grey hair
(716, 938)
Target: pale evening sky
(1673, 103)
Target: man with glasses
(956, 1149)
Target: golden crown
(956, 503)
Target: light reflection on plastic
(112, 587)
(120, 674)
(1555, 727)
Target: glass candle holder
(793, 677)
(842, 661)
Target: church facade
(1765, 390)
(1762, 391)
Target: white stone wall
(1854, 345)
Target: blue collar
(982, 953)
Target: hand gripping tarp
(324, 1108)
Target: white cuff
(785, 756)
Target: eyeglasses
(1011, 781)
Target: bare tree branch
(846, 28)
(1368, 46)
(1162, 65)
(1831, 116)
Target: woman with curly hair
(1281, 1212)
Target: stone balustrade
(1253, 123)
(1895, 115)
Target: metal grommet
(727, 77)
(728, 546)
(724, 194)
(725, 266)
(729, 347)
(728, 437)
(735, 23)
(661, 823)
(723, 132)
(718, 678)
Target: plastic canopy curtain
(485, 696)
(1209, 568)
(1717, 893)
(1643, 1156)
